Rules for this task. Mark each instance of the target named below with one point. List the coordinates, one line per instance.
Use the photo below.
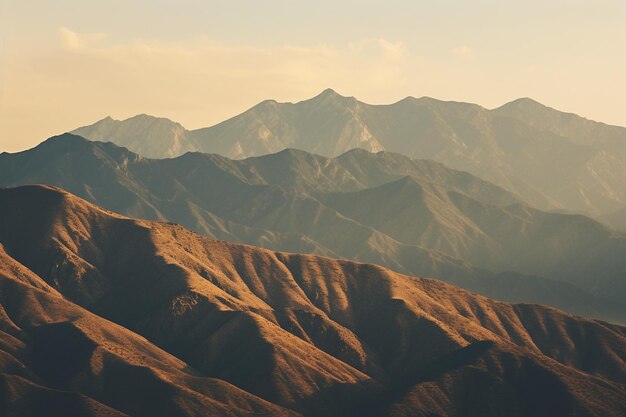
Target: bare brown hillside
(106, 315)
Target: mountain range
(413, 216)
(104, 315)
(553, 160)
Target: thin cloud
(72, 40)
(464, 51)
(197, 81)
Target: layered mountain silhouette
(101, 315)
(146, 135)
(615, 220)
(413, 216)
(554, 160)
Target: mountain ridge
(254, 202)
(390, 344)
(517, 145)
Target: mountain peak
(106, 121)
(68, 139)
(407, 99)
(143, 116)
(139, 120)
(523, 103)
(356, 152)
(330, 94)
(71, 143)
(147, 118)
(406, 182)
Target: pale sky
(68, 63)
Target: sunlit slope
(312, 334)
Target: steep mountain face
(516, 237)
(580, 130)
(554, 160)
(329, 124)
(416, 217)
(152, 137)
(114, 316)
(58, 359)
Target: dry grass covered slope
(204, 326)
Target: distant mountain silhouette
(153, 137)
(101, 315)
(413, 216)
(615, 220)
(554, 160)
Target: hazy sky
(67, 63)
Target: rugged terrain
(555, 160)
(413, 216)
(107, 315)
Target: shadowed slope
(57, 359)
(516, 237)
(320, 336)
(413, 216)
